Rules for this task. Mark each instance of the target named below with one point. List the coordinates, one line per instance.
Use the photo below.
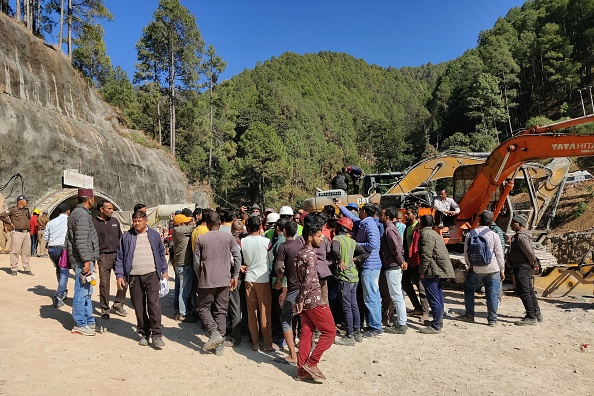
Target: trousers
(144, 294)
(319, 318)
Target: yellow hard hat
(36, 211)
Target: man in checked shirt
(314, 313)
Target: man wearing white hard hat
(286, 212)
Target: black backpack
(478, 249)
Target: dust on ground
(39, 355)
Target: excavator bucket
(565, 280)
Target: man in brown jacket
(41, 243)
(18, 217)
(435, 266)
(523, 262)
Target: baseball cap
(180, 219)
(22, 197)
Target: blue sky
(387, 33)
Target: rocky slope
(51, 120)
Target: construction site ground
(39, 355)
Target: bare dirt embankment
(39, 356)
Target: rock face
(570, 248)
(51, 120)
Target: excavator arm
(533, 144)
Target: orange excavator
(487, 186)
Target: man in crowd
(446, 209)
(109, 233)
(392, 254)
(236, 301)
(55, 235)
(344, 250)
(286, 212)
(339, 182)
(33, 231)
(524, 262)
(356, 175)
(140, 262)
(286, 278)
(368, 237)
(254, 249)
(183, 227)
(435, 266)
(211, 263)
(315, 315)
(411, 275)
(83, 251)
(18, 218)
(490, 273)
(41, 241)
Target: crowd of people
(288, 279)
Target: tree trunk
(172, 101)
(211, 134)
(18, 10)
(159, 118)
(26, 16)
(70, 30)
(61, 25)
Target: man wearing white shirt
(254, 249)
(491, 274)
(55, 236)
(446, 209)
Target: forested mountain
(275, 133)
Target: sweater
(212, 259)
(109, 234)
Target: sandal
(283, 360)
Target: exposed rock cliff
(51, 120)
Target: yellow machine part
(565, 280)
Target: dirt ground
(39, 355)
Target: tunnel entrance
(52, 199)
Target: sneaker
(429, 330)
(398, 329)
(465, 318)
(14, 273)
(143, 341)
(539, 317)
(358, 336)
(526, 321)
(492, 324)
(29, 273)
(158, 343)
(346, 341)
(219, 349)
(58, 302)
(371, 333)
(120, 311)
(105, 316)
(83, 330)
(214, 340)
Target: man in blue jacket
(368, 237)
(140, 261)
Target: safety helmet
(346, 223)
(272, 218)
(286, 210)
(36, 211)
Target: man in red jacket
(411, 274)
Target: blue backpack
(478, 249)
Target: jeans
(371, 297)
(82, 305)
(350, 308)
(184, 273)
(394, 278)
(434, 290)
(33, 245)
(525, 290)
(492, 283)
(61, 273)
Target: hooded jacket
(521, 252)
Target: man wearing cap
(83, 251)
(491, 274)
(41, 241)
(109, 234)
(286, 212)
(19, 217)
(55, 235)
(523, 262)
(183, 227)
